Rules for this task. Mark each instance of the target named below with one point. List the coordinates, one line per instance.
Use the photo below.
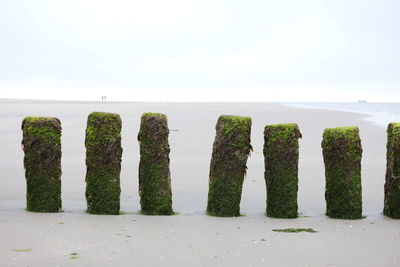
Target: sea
(377, 113)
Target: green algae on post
(154, 174)
(42, 161)
(228, 165)
(281, 155)
(392, 184)
(103, 163)
(342, 154)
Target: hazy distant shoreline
(379, 113)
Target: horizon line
(184, 101)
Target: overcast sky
(182, 50)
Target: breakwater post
(42, 162)
(392, 183)
(103, 163)
(342, 154)
(281, 157)
(231, 149)
(154, 173)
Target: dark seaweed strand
(228, 165)
(392, 183)
(342, 153)
(42, 162)
(154, 173)
(281, 154)
(103, 163)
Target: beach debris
(103, 163)
(73, 256)
(23, 250)
(295, 230)
(281, 157)
(342, 154)
(154, 173)
(231, 149)
(392, 183)
(41, 144)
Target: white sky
(182, 50)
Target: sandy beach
(74, 238)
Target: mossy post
(281, 155)
(392, 184)
(342, 153)
(42, 146)
(228, 165)
(154, 174)
(103, 163)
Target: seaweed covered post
(392, 184)
(154, 174)
(103, 163)
(281, 155)
(228, 165)
(342, 153)
(42, 146)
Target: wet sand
(191, 237)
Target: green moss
(42, 161)
(228, 165)
(295, 230)
(159, 115)
(103, 163)
(342, 153)
(239, 123)
(154, 174)
(281, 154)
(392, 183)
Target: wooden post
(103, 163)
(392, 184)
(281, 154)
(342, 153)
(154, 174)
(42, 146)
(228, 165)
